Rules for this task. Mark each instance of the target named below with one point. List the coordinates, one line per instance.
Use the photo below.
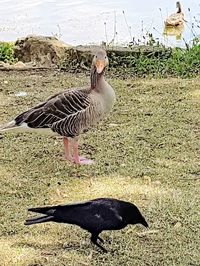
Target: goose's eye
(96, 56)
(105, 57)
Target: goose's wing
(55, 109)
(74, 124)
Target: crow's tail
(47, 210)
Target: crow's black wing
(92, 216)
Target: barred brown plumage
(73, 111)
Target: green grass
(175, 63)
(146, 152)
(7, 52)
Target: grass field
(146, 152)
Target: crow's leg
(94, 238)
(100, 239)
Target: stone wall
(49, 52)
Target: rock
(19, 64)
(3, 64)
(41, 51)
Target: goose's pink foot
(83, 160)
(79, 159)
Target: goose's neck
(95, 78)
(179, 8)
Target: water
(83, 21)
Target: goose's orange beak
(100, 65)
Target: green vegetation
(140, 61)
(6, 52)
(172, 62)
(146, 152)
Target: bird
(93, 216)
(71, 112)
(177, 18)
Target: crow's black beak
(145, 223)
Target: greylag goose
(177, 18)
(94, 216)
(73, 111)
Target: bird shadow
(51, 249)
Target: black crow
(94, 216)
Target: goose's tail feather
(38, 220)
(9, 126)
